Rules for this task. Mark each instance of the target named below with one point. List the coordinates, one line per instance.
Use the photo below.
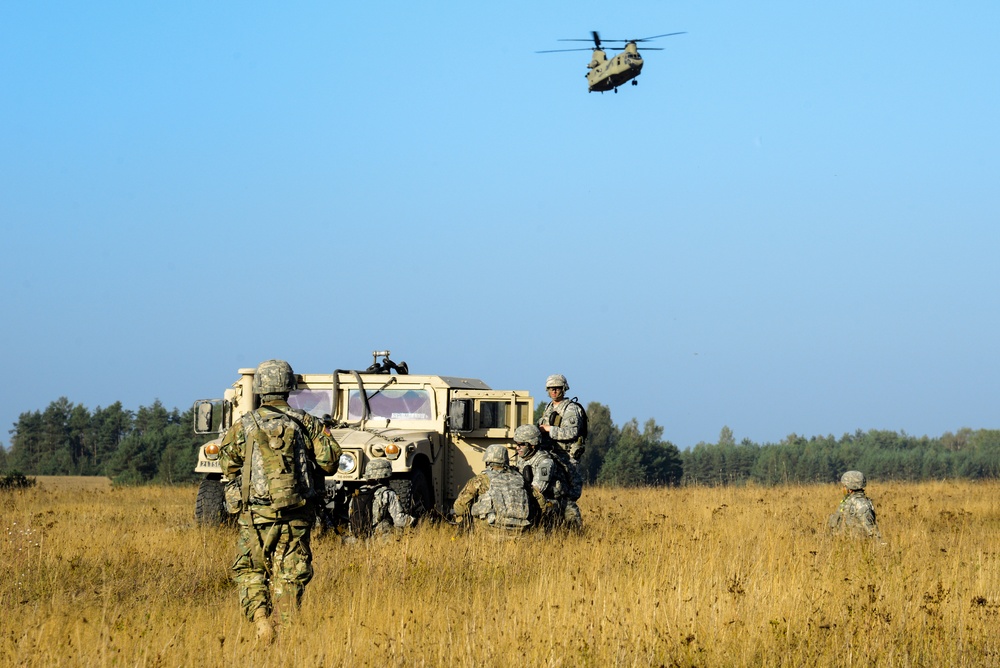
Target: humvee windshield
(314, 402)
(392, 404)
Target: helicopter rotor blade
(589, 48)
(646, 39)
(669, 34)
(597, 39)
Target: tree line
(154, 444)
(879, 454)
(151, 444)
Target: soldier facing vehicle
(272, 454)
(499, 498)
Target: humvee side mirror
(204, 414)
(460, 415)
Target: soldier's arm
(468, 495)
(869, 521)
(543, 503)
(325, 448)
(544, 420)
(231, 451)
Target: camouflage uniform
(499, 497)
(856, 513)
(273, 545)
(387, 511)
(564, 419)
(547, 476)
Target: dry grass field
(94, 575)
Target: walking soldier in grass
(273, 453)
(856, 513)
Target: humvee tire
(414, 493)
(209, 508)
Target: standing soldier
(565, 425)
(272, 453)
(856, 513)
(546, 475)
(499, 497)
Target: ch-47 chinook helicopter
(607, 74)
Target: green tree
(25, 442)
(641, 458)
(602, 434)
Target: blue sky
(789, 225)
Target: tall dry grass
(716, 577)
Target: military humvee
(432, 430)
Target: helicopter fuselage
(607, 74)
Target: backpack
(505, 504)
(584, 420)
(359, 511)
(281, 474)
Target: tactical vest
(542, 471)
(280, 474)
(505, 504)
(583, 426)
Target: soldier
(565, 425)
(855, 514)
(383, 513)
(499, 497)
(547, 476)
(272, 452)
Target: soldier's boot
(265, 629)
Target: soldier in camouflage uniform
(387, 512)
(547, 476)
(499, 497)
(271, 455)
(856, 513)
(561, 423)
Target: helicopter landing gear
(635, 82)
(616, 91)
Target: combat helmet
(377, 469)
(557, 380)
(528, 433)
(273, 377)
(496, 454)
(853, 480)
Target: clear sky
(789, 225)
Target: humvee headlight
(391, 451)
(348, 463)
(212, 451)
